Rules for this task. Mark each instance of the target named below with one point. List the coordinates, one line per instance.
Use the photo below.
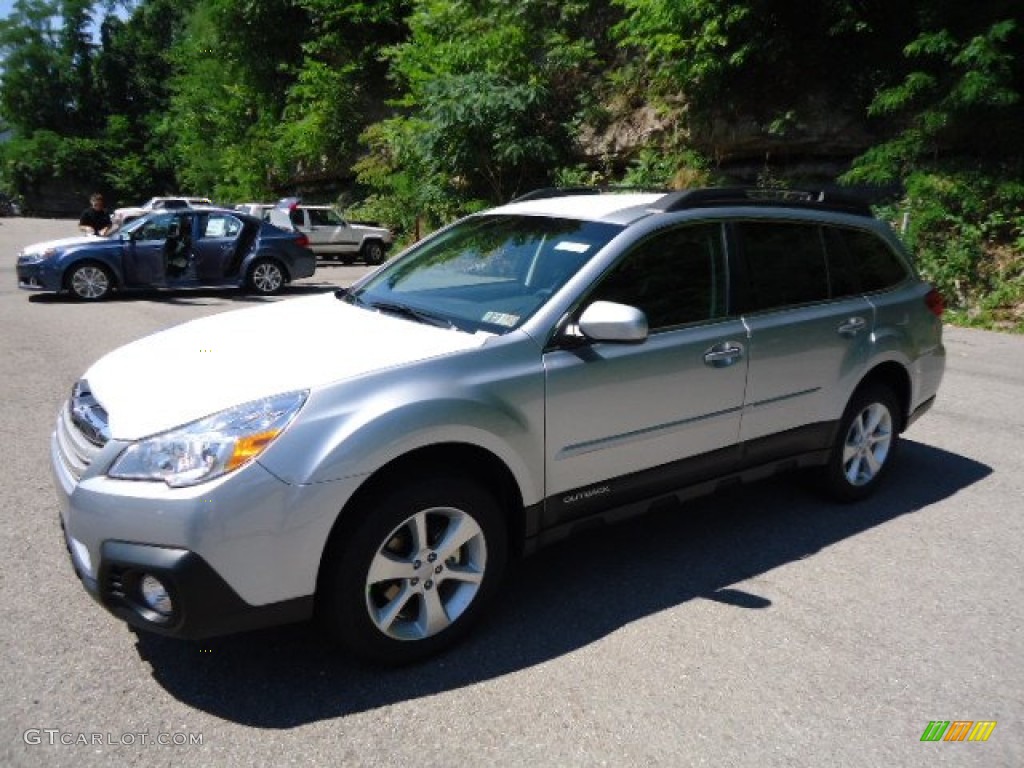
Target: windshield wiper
(403, 310)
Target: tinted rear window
(861, 262)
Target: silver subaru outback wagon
(523, 372)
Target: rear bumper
(920, 411)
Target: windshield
(134, 224)
(489, 272)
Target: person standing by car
(95, 220)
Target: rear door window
(783, 264)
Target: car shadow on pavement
(563, 599)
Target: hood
(64, 242)
(384, 233)
(204, 366)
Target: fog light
(154, 594)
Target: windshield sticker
(501, 318)
(568, 245)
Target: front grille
(81, 430)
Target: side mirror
(174, 229)
(608, 321)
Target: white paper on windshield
(568, 245)
(501, 318)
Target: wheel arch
(269, 254)
(116, 278)
(895, 376)
(468, 459)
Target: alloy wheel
(426, 573)
(867, 444)
(90, 282)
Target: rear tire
(266, 277)
(373, 252)
(415, 571)
(865, 445)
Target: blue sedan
(183, 248)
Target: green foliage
(46, 81)
(490, 88)
(228, 96)
(656, 168)
(963, 96)
(690, 44)
(46, 160)
(408, 193)
(966, 228)
(337, 83)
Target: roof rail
(546, 192)
(710, 197)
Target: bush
(966, 228)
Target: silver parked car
(526, 371)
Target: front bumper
(202, 603)
(38, 276)
(236, 553)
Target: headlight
(33, 258)
(210, 447)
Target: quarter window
(675, 277)
(861, 262)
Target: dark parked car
(9, 206)
(170, 249)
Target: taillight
(936, 304)
(303, 242)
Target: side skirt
(562, 516)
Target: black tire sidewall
(341, 602)
(374, 253)
(836, 483)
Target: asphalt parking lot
(762, 627)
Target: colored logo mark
(958, 730)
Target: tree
(961, 96)
(46, 82)
(339, 87)
(48, 99)
(234, 63)
(489, 90)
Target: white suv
(332, 237)
(122, 216)
(523, 373)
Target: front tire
(266, 277)
(416, 571)
(90, 282)
(865, 444)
